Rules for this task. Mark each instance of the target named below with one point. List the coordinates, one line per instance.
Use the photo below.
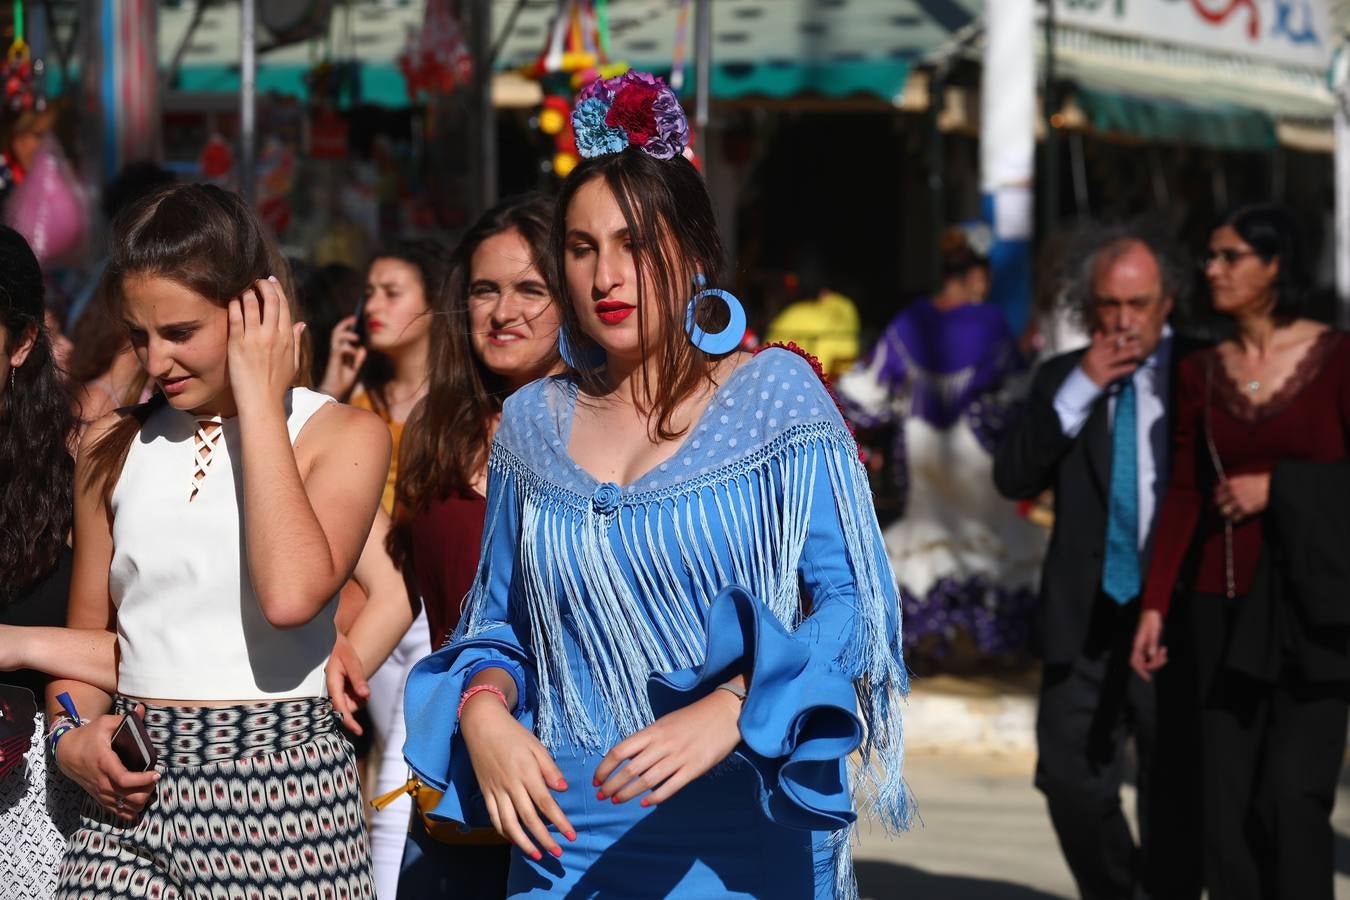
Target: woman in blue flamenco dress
(681, 658)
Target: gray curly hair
(1096, 244)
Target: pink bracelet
(478, 689)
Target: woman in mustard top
(387, 373)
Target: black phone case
(360, 325)
(131, 742)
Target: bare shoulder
(339, 431)
(96, 430)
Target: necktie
(1120, 569)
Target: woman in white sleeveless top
(213, 528)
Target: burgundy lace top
(445, 547)
(1308, 419)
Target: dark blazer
(1297, 611)
(1034, 455)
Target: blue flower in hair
(594, 137)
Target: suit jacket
(1034, 455)
(1297, 612)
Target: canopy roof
(771, 48)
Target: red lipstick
(612, 312)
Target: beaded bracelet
(478, 689)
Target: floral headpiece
(633, 108)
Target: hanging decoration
(681, 48)
(276, 181)
(20, 74)
(577, 53)
(436, 58)
(49, 207)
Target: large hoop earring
(721, 342)
(575, 359)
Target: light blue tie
(1120, 570)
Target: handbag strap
(1230, 580)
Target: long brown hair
(203, 238)
(446, 440)
(428, 258)
(35, 425)
(669, 215)
(99, 339)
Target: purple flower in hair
(637, 105)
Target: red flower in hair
(632, 111)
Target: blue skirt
(711, 839)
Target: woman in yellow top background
(387, 373)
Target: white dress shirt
(1073, 405)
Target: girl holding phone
(214, 526)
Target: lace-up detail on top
(204, 443)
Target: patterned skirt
(38, 813)
(254, 801)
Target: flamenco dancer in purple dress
(943, 375)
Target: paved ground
(986, 836)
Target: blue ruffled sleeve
(488, 636)
(832, 685)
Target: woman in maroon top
(1261, 432)
(496, 329)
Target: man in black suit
(1095, 429)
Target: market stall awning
(1216, 125)
(760, 48)
(775, 48)
(1231, 84)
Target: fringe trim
(630, 613)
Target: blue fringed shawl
(766, 493)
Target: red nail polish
(556, 851)
(562, 785)
(595, 782)
(571, 835)
(646, 802)
(599, 795)
(615, 800)
(536, 856)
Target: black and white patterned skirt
(254, 801)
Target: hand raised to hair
(264, 345)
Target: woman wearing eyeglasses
(1252, 542)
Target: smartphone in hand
(131, 742)
(360, 326)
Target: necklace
(1253, 387)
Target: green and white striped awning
(1154, 91)
(768, 48)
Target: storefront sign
(1292, 32)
